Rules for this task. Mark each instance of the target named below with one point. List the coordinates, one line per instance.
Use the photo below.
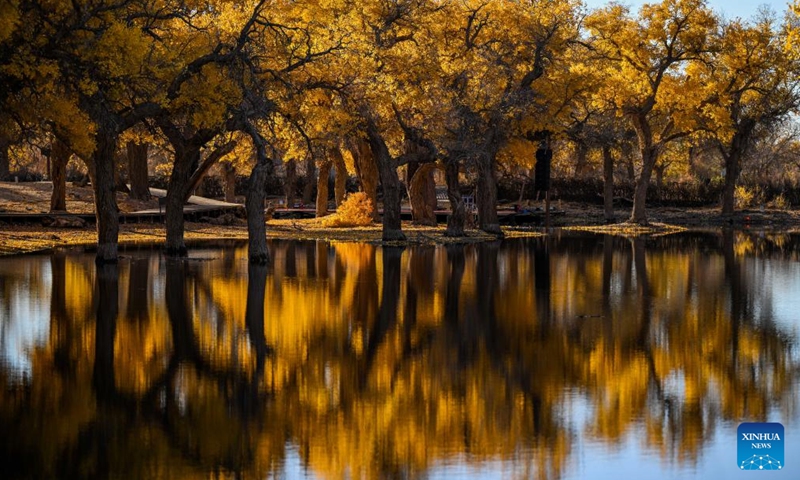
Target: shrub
(355, 211)
(779, 202)
(745, 197)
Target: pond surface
(572, 357)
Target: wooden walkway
(195, 208)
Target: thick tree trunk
(486, 200)
(367, 171)
(186, 157)
(254, 204)
(309, 181)
(422, 195)
(731, 177)
(340, 186)
(137, 171)
(733, 157)
(5, 164)
(608, 185)
(59, 157)
(106, 210)
(229, 173)
(639, 212)
(392, 191)
(322, 188)
(458, 217)
(291, 183)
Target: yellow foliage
(355, 211)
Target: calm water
(573, 357)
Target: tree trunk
(254, 203)
(392, 225)
(59, 157)
(457, 218)
(309, 181)
(340, 186)
(106, 210)
(366, 170)
(229, 172)
(322, 188)
(137, 170)
(486, 200)
(649, 154)
(731, 176)
(608, 185)
(422, 195)
(581, 153)
(5, 164)
(639, 212)
(733, 157)
(291, 182)
(186, 157)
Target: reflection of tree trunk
(137, 170)
(340, 185)
(322, 188)
(291, 182)
(387, 313)
(254, 312)
(541, 275)
(458, 216)
(455, 258)
(422, 195)
(321, 260)
(185, 344)
(106, 326)
(738, 297)
(59, 157)
(290, 261)
(62, 357)
(138, 302)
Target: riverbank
(34, 197)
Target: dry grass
(34, 197)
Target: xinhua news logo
(760, 446)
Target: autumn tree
(647, 59)
(751, 85)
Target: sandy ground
(35, 198)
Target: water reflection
(529, 358)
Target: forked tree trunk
(392, 225)
(608, 185)
(457, 218)
(340, 185)
(186, 157)
(137, 170)
(322, 188)
(422, 195)
(59, 157)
